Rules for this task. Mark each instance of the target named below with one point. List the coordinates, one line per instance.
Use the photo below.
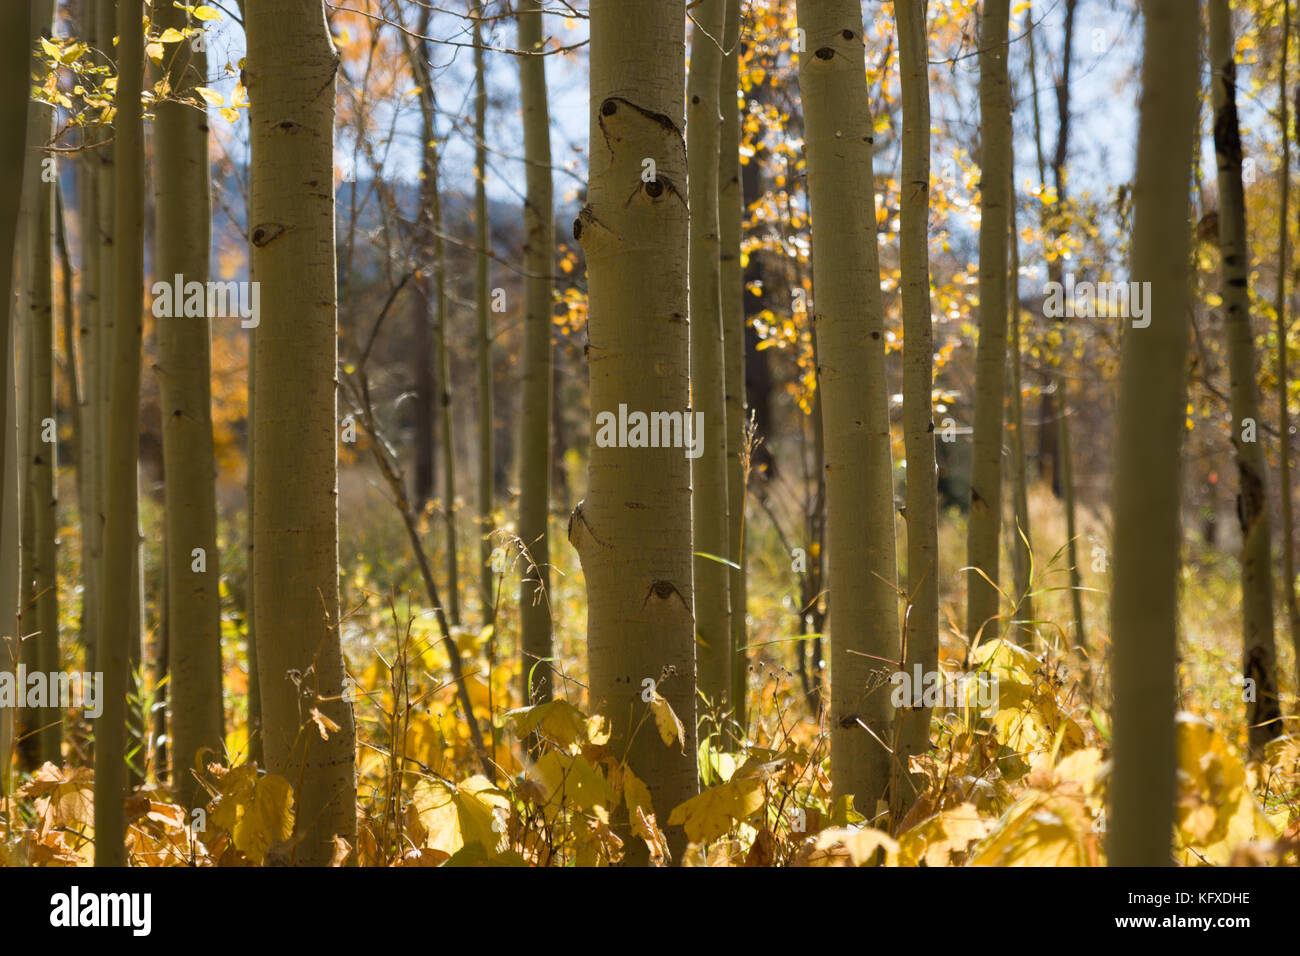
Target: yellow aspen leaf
(556, 720)
(670, 727)
(460, 816)
(637, 797)
(572, 780)
(1037, 830)
(712, 813)
(63, 796)
(860, 843)
(1216, 810)
(256, 812)
(212, 97)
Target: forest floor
(1020, 782)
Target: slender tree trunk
(1067, 489)
(1147, 478)
(1283, 325)
(444, 403)
(918, 375)
(292, 65)
(256, 752)
(90, 437)
(482, 241)
(991, 357)
(119, 629)
(15, 66)
(1054, 424)
(1054, 441)
(708, 389)
(29, 718)
(422, 357)
(422, 384)
(87, 347)
(1259, 659)
(10, 504)
(78, 340)
(849, 319)
(431, 206)
(106, 30)
(731, 216)
(535, 417)
(1021, 542)
(1065, 482)
(40, 566)
(183, 217)
(633, 531)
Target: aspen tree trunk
(1067, 489)
(1259, 659)
(991, 356)
(442, 354)
(535, 401)
(1054, 444)
(633, 531)
(849, 322)
(481, 293)
(1150, 424)
(1065, 480)
(29, 719)
(256, 752)
(106, 22)
(1021, 551)
(422, 372)
(40, 565)
(119, 629)
(708, 390)
(15, 67)
(422, 357)
(89, 434)
(102, 357)
(10, 508)
(431, 205)
(1283, 324)
(444, 401)
(79, 339)
(1049, 430)
(292, 65)
(731, 216)
(918, 372)
(183, 218)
